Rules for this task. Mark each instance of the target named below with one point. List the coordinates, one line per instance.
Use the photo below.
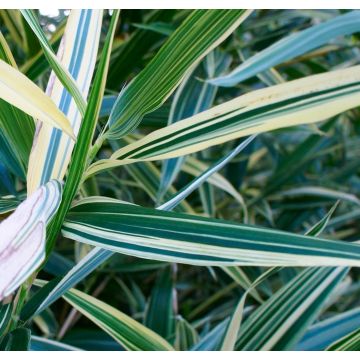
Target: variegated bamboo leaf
(166, 236)
(52, 150)
(201, 32)
(308, 100)
(22, 245)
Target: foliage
(179, 180)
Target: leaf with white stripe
(282, 320)
(166, 236)
(192, 96)
(52, 150)
(22, 245)
(201, 32)
(5, 316)
(61, 72)
(308, 100)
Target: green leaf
(54, 289)
(51, 151)
(80, 154)
(212, 340)
(5, 317)
(61, 72)
(128, 332)
(162, 302)
(308, 100)
(166, 236)
(185, 335)
(42, 344)
(282, 320)
(8, 204)
(201, 32)
(131, 53)
(291, 46)
(16, 127)
(199, 180)
(159, 27)
(324, 333)
(17, 340)
(349, 342)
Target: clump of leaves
(179, 180)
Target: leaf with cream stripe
(52, 150)
(201, 32)
(308, 100)
(166, 236)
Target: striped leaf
(201, 32)
(22, 246)
(297, 102)
(292, 46)
(166, 236)
(130, 54)
(282, 320)
(232, 330)
(52, 150)
(125, 330)
(80, 154)
(229, 340)
(192, 96)
(61, 72)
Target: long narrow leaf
(18, 90)
(297, 102)
(166, 236)
(51, 150)
(201, 32)
(291, 46)
(128, 332)
(61, 72)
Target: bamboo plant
(179, 180)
